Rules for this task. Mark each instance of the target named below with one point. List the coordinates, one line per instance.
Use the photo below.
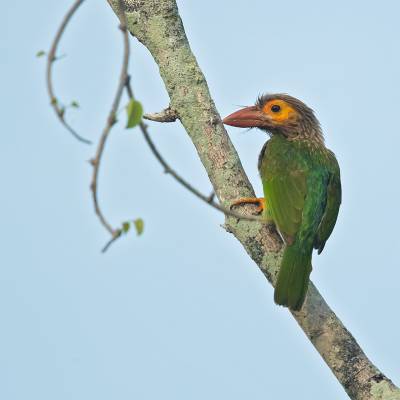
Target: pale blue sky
(182, 312)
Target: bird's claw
(259, 201)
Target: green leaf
(125, 227)
(139, 225)
(74, 104)
(40, 53)
(134, 111)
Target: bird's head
(278, 114)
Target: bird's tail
(293, 277)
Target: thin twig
(207, 199)
(188, 186)
(211, 197)
(111, 120)
(167, 115)
(51, 57)
(111, 241)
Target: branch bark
(158, 26)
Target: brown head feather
(299, 121)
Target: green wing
(285, 197)
(334, 199)
(283, 173)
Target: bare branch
(51, 57)
(167, 115)
(111, 120)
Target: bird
(301, 184)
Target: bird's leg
(251, 200)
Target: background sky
(182, 312)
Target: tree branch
(158, 26)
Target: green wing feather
(284, 176)
(285, 196)
(334, 199)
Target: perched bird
(301, 182)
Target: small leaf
(134, 111)
(139, 225)
(74, 104)
(40, 53)
(125, 226)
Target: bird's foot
(259, 201)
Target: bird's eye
(275, 108)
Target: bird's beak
(248, 117)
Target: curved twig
(111, 241)
(51, 57)
(111, 120)
(188, 186)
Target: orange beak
(248, 117)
